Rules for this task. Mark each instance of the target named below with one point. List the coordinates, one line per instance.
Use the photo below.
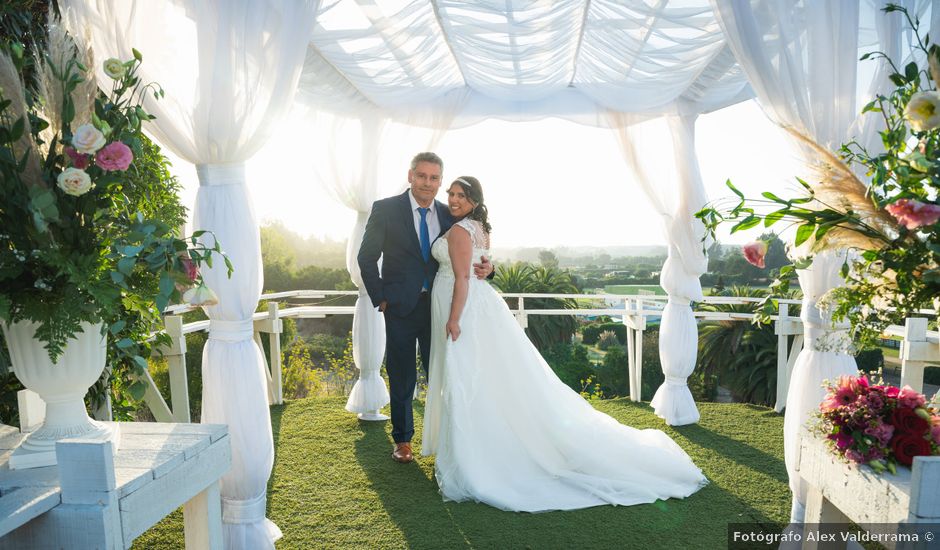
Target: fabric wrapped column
(686, 262)
(823, 357)
(233, 378)
(369, 393)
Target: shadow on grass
(411, 499)
(733, 449)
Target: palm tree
(543, 330)
(743, 356)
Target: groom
(401, 230)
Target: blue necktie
(425, 239)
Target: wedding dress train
(507, 432)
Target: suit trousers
(401, 333)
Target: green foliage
(105, 253)
(592, 332)
(613, 373)
(870, 360)
(897, 269)
(607, 339)
(543, 330)
(300, 377)
(741, 356)
(570, 363)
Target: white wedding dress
(507, 432)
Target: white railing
(919, 346)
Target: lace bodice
(478, 236)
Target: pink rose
(913, 214)
(79, 160)
(190, 267)
(754, 253)
(935, 433)
(114, 156)
(882, 431)
(909, 398)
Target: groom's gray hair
(427, 156)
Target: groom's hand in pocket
(483, 269)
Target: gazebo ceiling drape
(518, 60)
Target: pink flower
(843, 440)
(890, 391)
(754, 253)
(909, 398)
(79, 160)
(855, 456)
(913, 214)
(882, 431)
(190, 267)
(114, 156)
(844, 396)
(935, 433)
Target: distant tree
(547, 258)
(720, 285)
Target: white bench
(840, 493)
(96, 498)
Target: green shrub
(607, 339)
(570, 363)
(591, 333)
(300, 377)
(870, 360)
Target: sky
(546, 183)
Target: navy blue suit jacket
(390, 234)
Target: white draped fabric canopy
(232, 70)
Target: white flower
(201, 296)
(74, 181)
(87, 139)
(114, 68)
(923, 111)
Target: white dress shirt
(434, 225)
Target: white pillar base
(373, 416)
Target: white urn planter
(62, 385)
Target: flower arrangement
(83, 236)
(889, 220)
(881, 426)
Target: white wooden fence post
(273, 326)
(639, 327)
(783, 377)
(175, 355)
(521, 316)
(784, 327)
(629, 321)
(915, 352)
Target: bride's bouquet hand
(452, 328)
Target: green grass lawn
(334, 485)
(633, 289)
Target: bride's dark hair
(471, 187)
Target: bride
(506, 431)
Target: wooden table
(96, 498)
(840, 493)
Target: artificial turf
(334, 485)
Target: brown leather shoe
(402, 452)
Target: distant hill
(577, 254)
